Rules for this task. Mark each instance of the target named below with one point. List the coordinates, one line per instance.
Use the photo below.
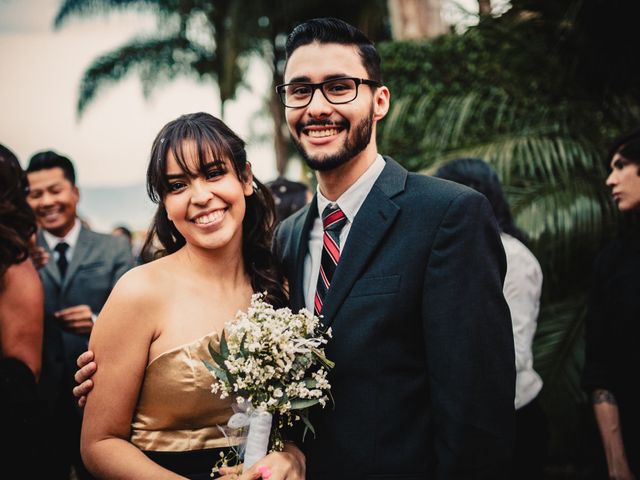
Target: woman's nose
(201, 192)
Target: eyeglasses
(336, 91)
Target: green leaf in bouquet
(243, 350)
(222, 375)
(224, 348)
(310, 383)
(303, 403)
(210, 367)
(217, 357)
(307, 425)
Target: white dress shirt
(70, 239)
(522, 289)
(349, 202)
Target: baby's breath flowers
(274, 359)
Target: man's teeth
(211, 217)
(322, 133)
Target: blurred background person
(122, 231)
(289, 196)
(21, 324)
(613, 321)
(522, 290)
(135, 246)
(82, 269)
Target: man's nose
(319, 105)
(47, 199)
(612, 179)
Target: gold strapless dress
(176, 411)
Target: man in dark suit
(408, 274)
(411, 285)
(82, 269)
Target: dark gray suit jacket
(424, 379)
(98, 262)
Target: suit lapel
(80, 254)
(50, 268)
(302, 243)
(372, 222)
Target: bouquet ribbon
(259, 424)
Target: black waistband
(194, 464)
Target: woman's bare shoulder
(21, 281)
(146, 286)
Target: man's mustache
(321, 123)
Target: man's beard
(352, 147)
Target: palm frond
(558, 357)
(563, 214)
(83, 8)
(155, 60)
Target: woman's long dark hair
(478, 174)
(17, 220)
(214, 140)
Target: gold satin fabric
(176, 410)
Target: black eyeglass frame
(318, 86)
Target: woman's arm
(607, 416)
(120, 339)
(21, 316)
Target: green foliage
(513, 91)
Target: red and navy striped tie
(333, 219)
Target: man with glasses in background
(407, 270)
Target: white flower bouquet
(273, 362)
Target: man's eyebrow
(306, 79)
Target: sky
(110, 143)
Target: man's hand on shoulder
(86, 368)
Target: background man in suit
(410, 282)
(82, 269)
(422, 340)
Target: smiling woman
(214, 221)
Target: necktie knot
(333, 218)
(62, 248)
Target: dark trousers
(532, 442)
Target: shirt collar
(353, 198)
(70, 238)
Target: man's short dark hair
(50, 159)
(334, 30)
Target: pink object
(265, 472)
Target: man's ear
(247, 180)
(381, 100)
